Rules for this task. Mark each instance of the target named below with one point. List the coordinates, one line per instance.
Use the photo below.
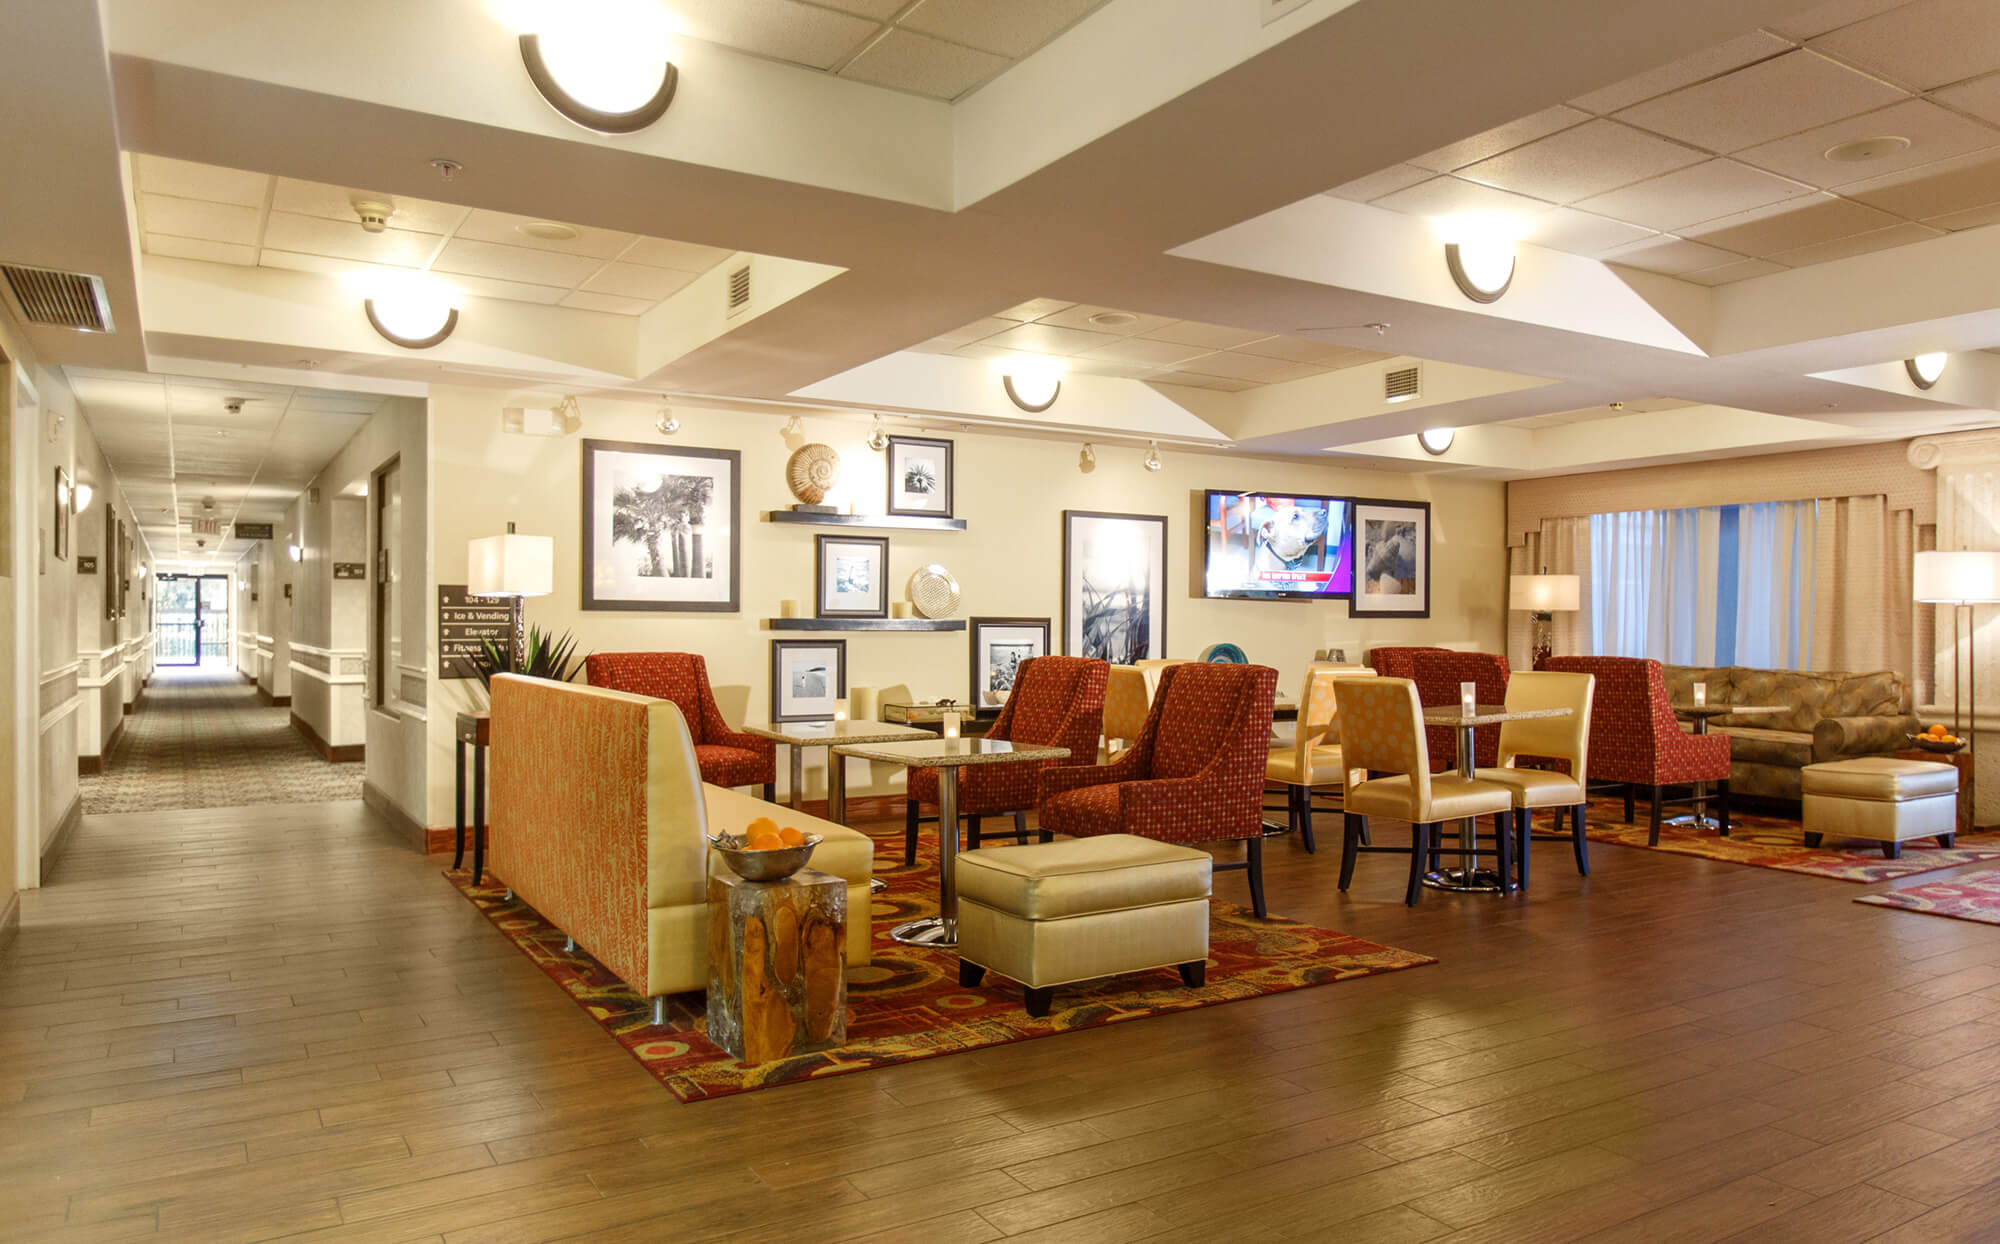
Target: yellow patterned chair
(600, 822)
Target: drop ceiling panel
(1792, 224)
(665, 253)
(1138, 350)
(1762, 102)
(1922, 45)
(1454, 196)
(1034, 309)
(803, 34)
(1581, 162)
(1705, 64)
(160, 175)
(1670, 255)
(1857, 244)
(1124, 323)
(631, 280)
(1207, 336)
(586, 301)
(484, 226)
(513, 291)
(1501, 138)
(1583, 233)
(309, 198)
(1384, 181)
(514, 263)
(1932, 190)
(1934, 134)
(1047, 339)
(1980, 97)
(194, 248)
(907, 61)
(1010, 28)
(1831, 16)
(313, 235)
(1690, 195)
(195, 218)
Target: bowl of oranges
(1938, 739)
(764, 851)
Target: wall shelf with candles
(864, 624)
(901, 522)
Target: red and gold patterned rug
(907, 1004)
(1975, 896)
(1778, 842)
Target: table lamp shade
(1544, 593)
(1955, 578)
(510, 565)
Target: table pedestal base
(1693, 820)
(927, 931)
(1465, 880)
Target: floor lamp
(1543, 596)
(1961, 579)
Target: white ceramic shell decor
(934, 591)
(812, 472)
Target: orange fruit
(762, 825)
(764, 841)
(791, 837)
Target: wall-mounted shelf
(888, 522)
(865, 624)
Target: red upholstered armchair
(1057, 701)
(727, 757)
(1397, 662)
(1195, 775)
(1636, 741)
(1438, 673)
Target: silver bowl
(773, 865)
(1924, 742)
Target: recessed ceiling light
(1856, 150)
(1113, 319)
(549, 231)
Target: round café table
(799, 735)
(1468, 877)
(1701, 715)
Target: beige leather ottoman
(1054, 913)
(1880, 798)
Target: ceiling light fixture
(1479, 253)
(1437, 440)
(1926, 368)
(878, 440)
(601, 63)
(413, 312)
(1860, 150)
(1033, 384)
(549, 231)
(1152, 455)
(1113, 319)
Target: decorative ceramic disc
(934, 591)
(1225, 654)
(812, 472)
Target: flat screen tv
(1268, 546)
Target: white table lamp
(511, 565)
(1543, 596)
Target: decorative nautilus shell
(812, 472)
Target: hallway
(201, 739)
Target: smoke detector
(374, 213)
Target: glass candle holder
(951, 725)
(788, 609)
(1468, 697)
(1700, 694)
(840, 710)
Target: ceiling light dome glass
(415, 313)
(604, 64)
(1033, 384)
(1926, 368)
(1437, 440)
(1479, 252)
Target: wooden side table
(777, 964)
(1960, 760)
(473, 729)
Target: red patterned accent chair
(1438, 673)
(1397, 662)
(1636, 741)
(1057, 701)
(727, 757)
(1196, 773)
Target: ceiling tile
(1970, 218)
(500, 227)
(1582, 233)
(1690, 195)
(1012, 28)
(1231, 366)
(1672, 256)
(1688, 70)
(1353, 358)
(513, 263)
(1207, 336)
(1934, 134)
(195, 248)
(1194, 380)
(1047, 339)
(1149, 352)
(881, 10)
(1979, 96)
(159, 175)
(1761, 102)
(1079, 317)
(1580, 162)
(513, 291)
(1298, 350)
(1830, 16)
(311, 198)
(312, 235)
(610, 302)
(779, 29)
(1922, 45)
(1860, 244)
(1034, 309)
(631, 280)
(906, 61)
(1741, 270)
(1929, 190)
(686, 256)
(1500, 138)
(1381, 182)
(1454, 196)
(1764, 231)
(197, 218)
(974, 331)
(272, 257)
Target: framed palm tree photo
(920, 482)
(661, 528)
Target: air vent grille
(739, 289)
(205, 526)
(1401, 384)
(60, 299)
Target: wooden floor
(242, 1024)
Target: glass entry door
(191, 619)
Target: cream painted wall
(1011, 490)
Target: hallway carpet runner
(907, 1004)
(1975, 897)
(1779, 843)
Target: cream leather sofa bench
(1882, 799)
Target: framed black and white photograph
(808, 678)
(851, 579)
(920, 477)
(661, 527)
(999, 645)
(64, 494)
(1114, 586)
(1392, 558)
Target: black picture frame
(898, 499)
(981, 671)
(1084, 632)
(607, 584)
(1370, 602)
(879, 591)
(785, 703)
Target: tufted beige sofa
(1828, 715)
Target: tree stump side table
(777, 965)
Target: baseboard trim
(10, 919)
(406, 826)
(59, 841)
(327, 752)
(89, 766)
(275, 701)
(442, 838)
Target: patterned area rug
(1777, 842)
(201, 739)
(907, 1004)
(1975, 896)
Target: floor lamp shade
(1956, 578)
(1544, 593)
(511, 565)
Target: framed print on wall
(661, 527)
(920, 482)
(1392, 558)
(851, 577)
(1114, 586)
(808, 678)
(999, 645)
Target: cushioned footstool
(1054, 913)
(1886, 800)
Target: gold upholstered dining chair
(1565, 739)
(1127, 698)
(1312, 760)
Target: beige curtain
(1562, 546)
(1862, 613)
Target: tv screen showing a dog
(1266, 547)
